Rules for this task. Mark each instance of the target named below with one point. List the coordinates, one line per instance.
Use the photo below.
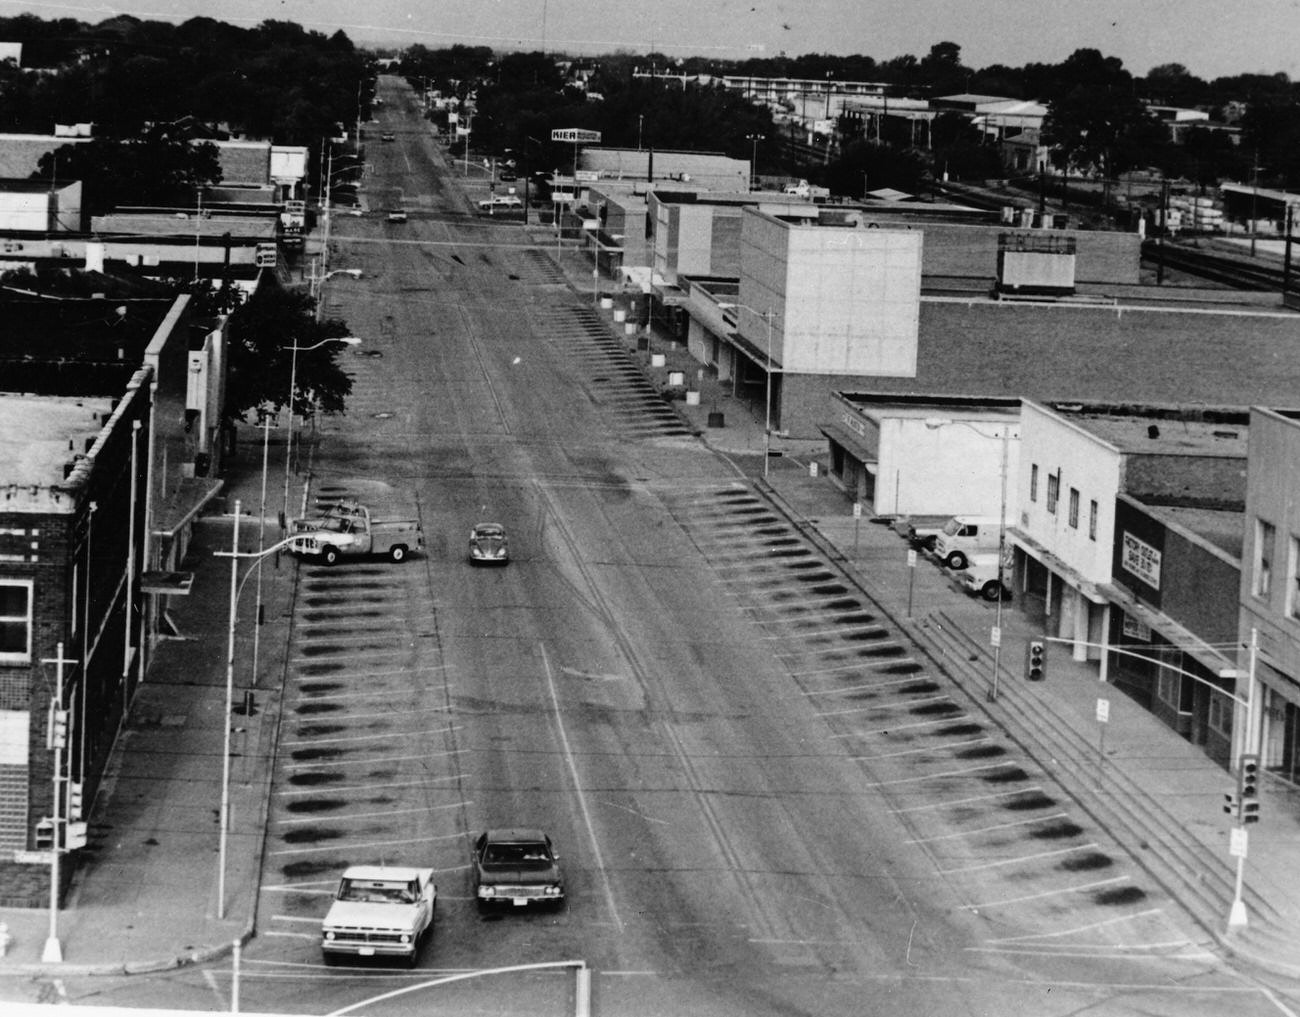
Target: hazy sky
(1210, 37)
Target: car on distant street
(501, 203)
(516, 866)
(397, 215)
(386, 137)
(488, 543)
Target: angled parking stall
(614, 378)
(995, 825)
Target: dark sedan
(516, 866)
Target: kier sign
(576, 135)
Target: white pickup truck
(357, 535)
(379, 911)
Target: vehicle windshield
(951, 528)
(379, 891)
(488, 532)
(336, 525)
(517, 854)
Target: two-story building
(1269, 592)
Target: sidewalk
(1160, 796)
(144, 893)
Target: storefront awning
(1180, 638)
(852, 444)
(1069, 573)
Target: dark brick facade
(81, 551)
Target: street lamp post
(996, 635)
(317, 281)
(350, 340)
(236, 588)
(754, 139)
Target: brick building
(71, 544)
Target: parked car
(516, 866)
(385, 137)
(980, 576)
(397, 215)
(379, 911)
(488, 543)
(501, 203)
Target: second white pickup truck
(357, 535)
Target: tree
(262, 332)
(159, 167)
(1106, 130)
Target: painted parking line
(340, 788)
(326, 764)
(333, 658)
(372, 674)
(951, 719)
(383, 736)
(924, 750)
(1089, 927)
(395, 712)
(877, 707)
(867, 687)
(347, 845)
(845, 631)
(1059, 892)
(963, 772)
(971, 800)
(987, 829)
(349, 816)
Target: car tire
(398, 553)
(955, 561)
(330, 555)
(992, 590)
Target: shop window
(1293, 579)
(1074, 508)
(15, 621)
(1262, 576)
(1220, 715)
(1168, 687)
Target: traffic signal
(1232, 804)
(74, 799)
(45, 834)
(1248, 788)
(1036, 660)
(56, 728)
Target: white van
(963, 536)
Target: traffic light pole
(53, 952)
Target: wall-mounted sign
(575, 135)
(1140, 559)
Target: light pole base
(53, 952)
(1237, 916)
